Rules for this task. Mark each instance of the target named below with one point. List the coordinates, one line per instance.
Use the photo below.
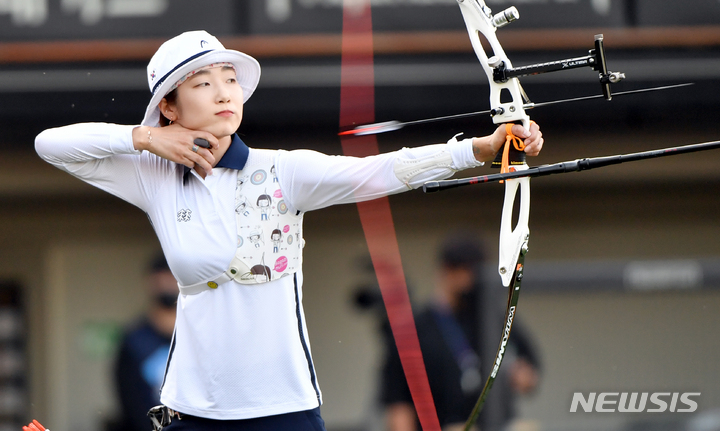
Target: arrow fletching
(34, 426)
(375, 128)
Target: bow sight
(502, 73)
(595, 60)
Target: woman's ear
(167, 110)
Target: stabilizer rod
(570, 166)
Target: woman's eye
(232, 80)
(203, 84)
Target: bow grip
(515, 157)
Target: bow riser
(479, 21)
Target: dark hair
(158, 264)
(263, 197)
(171, 98)
(261, 270)
(461, 250)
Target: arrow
(390, 126)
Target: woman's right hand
(175, 143)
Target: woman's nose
(223, 95)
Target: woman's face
(211, 101)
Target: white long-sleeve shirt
(239, 351)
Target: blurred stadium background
(622, 286)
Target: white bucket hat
(187, 52)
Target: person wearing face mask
(141, 358)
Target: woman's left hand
(486, 148)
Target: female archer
(240, 353)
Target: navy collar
(236, 155)
(234, 158)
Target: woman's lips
(225, 113)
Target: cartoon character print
(261, 273)
(241, 181)
(255, 237)
(260, 209)
(276, 238)
(264, 204)
(242, 206)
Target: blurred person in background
(143, 352)
(450, 331)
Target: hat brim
(246, 68)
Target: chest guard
(269, 236)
